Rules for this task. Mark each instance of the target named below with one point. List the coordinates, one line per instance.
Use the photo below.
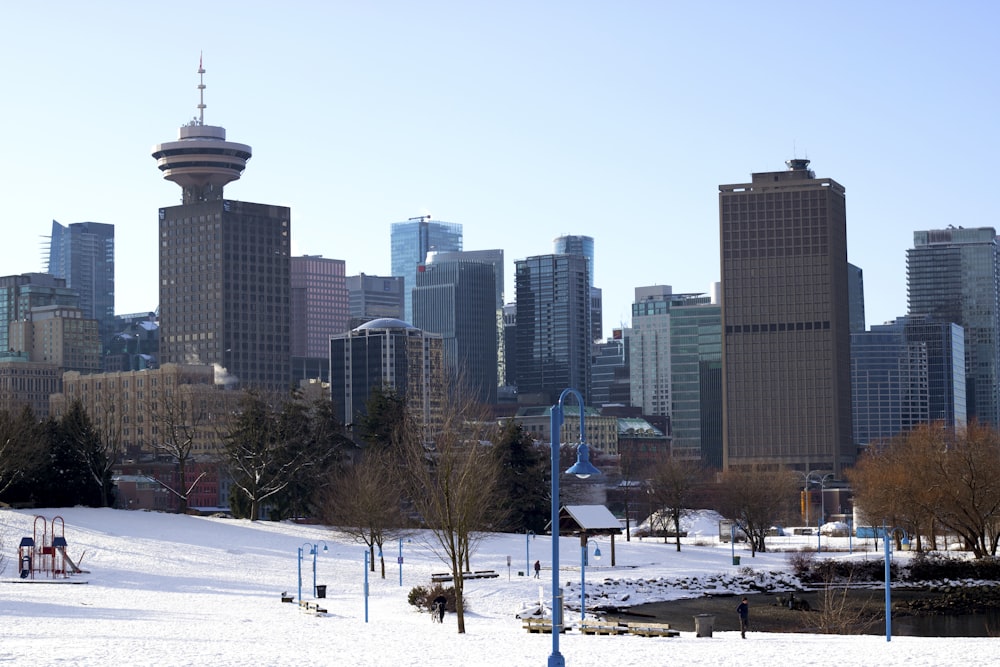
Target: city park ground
(165, 589)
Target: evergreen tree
(524, 479)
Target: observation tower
(201, 161)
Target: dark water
(968, 625)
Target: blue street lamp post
(582, 468)
(366, 586)
(527, 552)
(732, 540)
(887, 542)
(583, 573)
(400, 560)
(313, 551)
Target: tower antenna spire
(201, 91)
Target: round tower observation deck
(201, 161)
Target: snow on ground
(164, 590)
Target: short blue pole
(527, 552)
(366, 585)
(732, 539)
(888, 587)
(300, 575)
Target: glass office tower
(410, 242)
(553, 331)
(953, 276)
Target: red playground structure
(45, 553)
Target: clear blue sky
(521, 120)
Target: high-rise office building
(947, 392)
(390, 355)
(58, 335)
(785, 322)
(508, 378)
(696, 380)
(905, 373)
(553, 333)
(319, 304)
(456, 298)
(584, 245)
(84, 254)
(649, 357)
(856, 297)
(224, 264)
(953, 275)
(373, 298)
(609, 373)
(22, 293)
(410, 242)
(494, 258)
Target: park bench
(312, 607)
(600, 628)
(652, 630)
(442, 577)
(543, 625)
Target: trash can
(321, 590)
(736, 560)
(703, 624)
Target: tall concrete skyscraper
(953, 275)
(553, 331)
(224, 264)
(84, 254)
(785, 322)
(410, 242)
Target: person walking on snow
(538, 568)
(744, 611)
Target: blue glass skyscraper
(411, 241)
(83, 253)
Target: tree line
(934, 480)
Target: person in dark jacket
(743, 609)
(538, 568)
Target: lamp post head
(583, 468)
(597, 553)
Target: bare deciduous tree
(934, 476)
(672, 486)
(755, 499)
(363, 502)
(179, 413)
(452, 483)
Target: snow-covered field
(164, 589)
